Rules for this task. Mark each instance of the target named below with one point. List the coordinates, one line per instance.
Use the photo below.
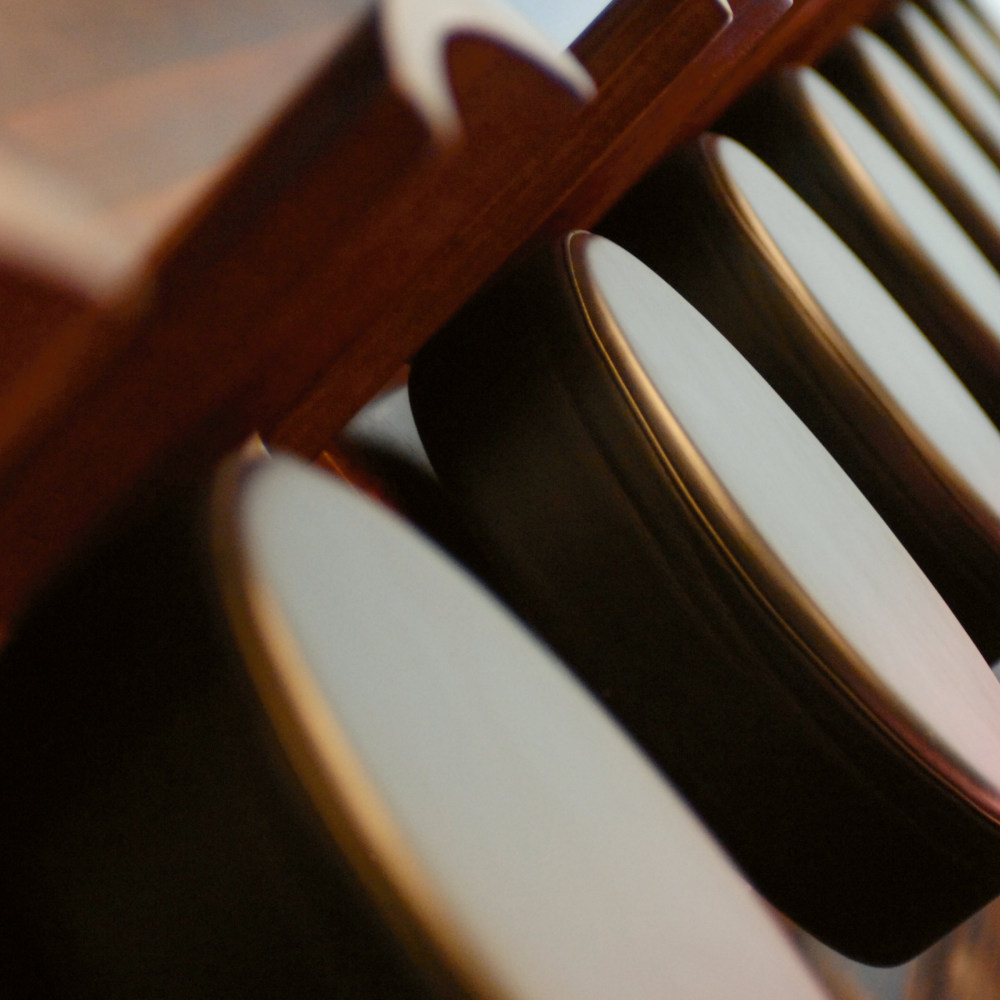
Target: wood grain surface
(261, 229)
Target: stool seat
(924, 131)
(685, 542)
(305, 754)
(968, 27)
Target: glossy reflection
(782, 287)
(670, 526)
(923, 131)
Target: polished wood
(271, 274)
(649, 101)
(139, 105)
(971, 96)
(968, 26)
(965, 965)
(334, 244)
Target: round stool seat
(825, 150)
(967, 26)
(781, 286)
(943, 63)
(988, 13)
(686, 543)
(249, 743)
(924, 131)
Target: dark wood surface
(235, 283)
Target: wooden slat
(653, 96)
(476, 213)
(222, 329)
(810, 30)
(338, 243)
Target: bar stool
(922, 129)
(687, 545)
(781, 286)
(946, 69)
(969, 28)
(988, 14)
(274, 743)
(826, 151)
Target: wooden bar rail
(332, 247)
